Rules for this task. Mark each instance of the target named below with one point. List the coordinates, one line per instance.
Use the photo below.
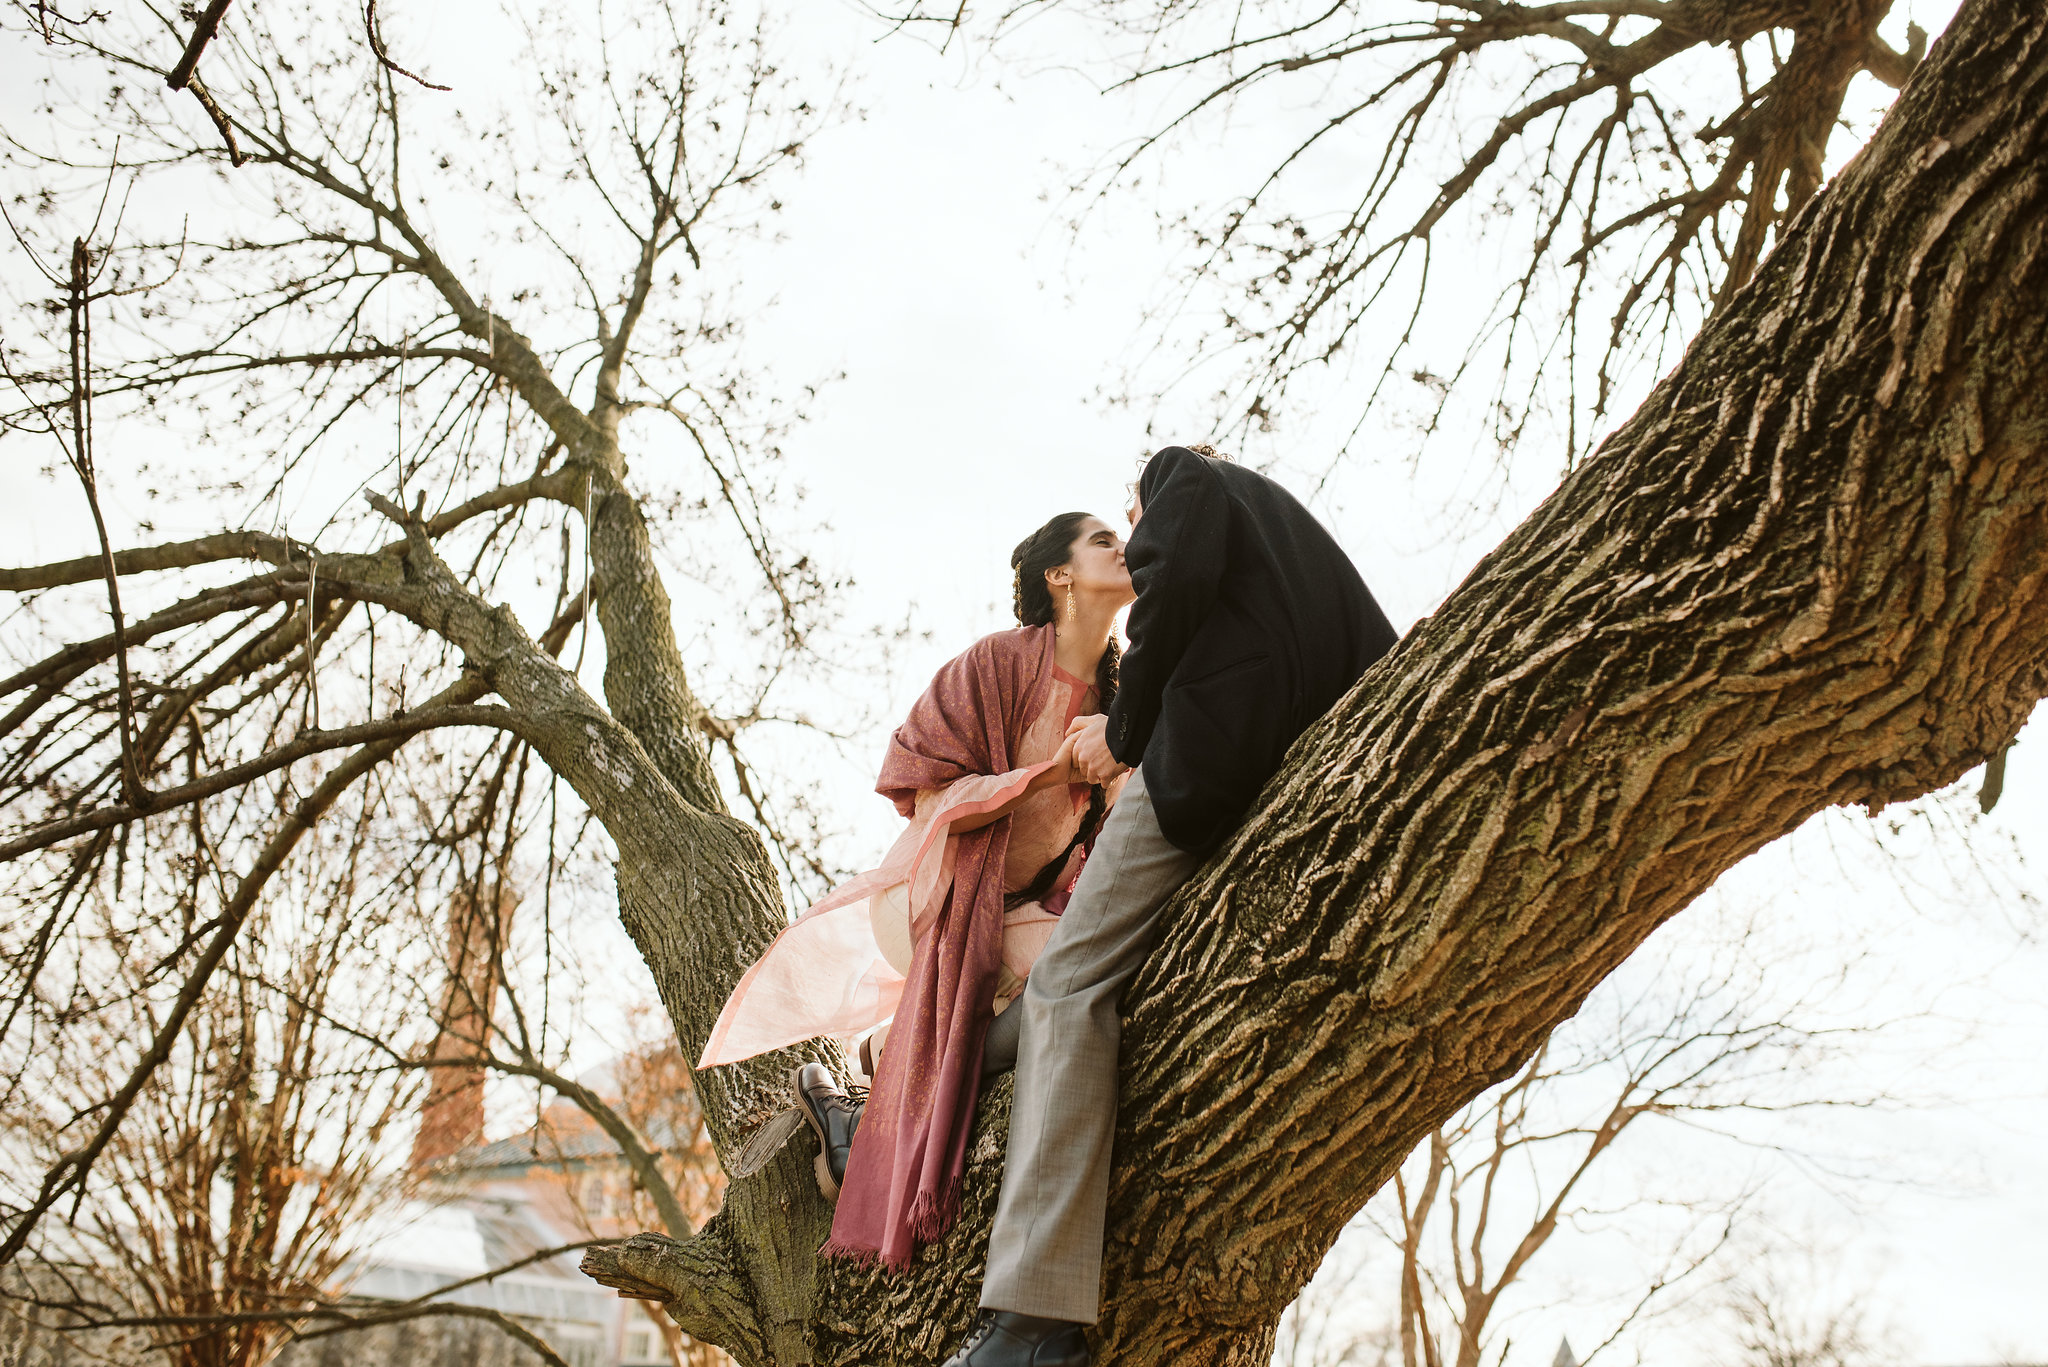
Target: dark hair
(1048, 548)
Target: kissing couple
(1057, 791)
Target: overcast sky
(921, 253)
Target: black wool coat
(1250, 623)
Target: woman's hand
(1062, 771)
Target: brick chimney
(452, 1116)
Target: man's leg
(1045, 1250)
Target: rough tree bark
(1810, 571)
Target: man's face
(1136, 510)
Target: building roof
(434, 1244)
(566, 1135)
(542, 1145)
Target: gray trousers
(1045, 1250)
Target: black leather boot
(833, 1116)
(1004, 1338)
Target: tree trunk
(1810, 571)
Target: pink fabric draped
(840, 969)
(836, 972)
(904, 1175)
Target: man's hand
(1092, 760)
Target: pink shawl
(903, 1178)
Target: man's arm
(1176, 560)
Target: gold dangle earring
(1070, 602)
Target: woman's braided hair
(1048, 548)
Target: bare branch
(558, 486)
(71, 1170)
(384, 57)
(400, 726)
(202, 34)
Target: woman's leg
(999, 1050)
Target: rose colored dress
(839, 969)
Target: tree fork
(1809, 571)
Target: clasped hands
(1084, 755)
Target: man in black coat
(1250, 623)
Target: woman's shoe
(833, 1117)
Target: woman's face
(1096, 566)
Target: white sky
(920, 256)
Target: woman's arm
(1058, 776)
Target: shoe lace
(984, 1325)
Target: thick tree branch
(698, 1281)
(174, 555)
(1809, 571)
(560, 486)
(644, 680)
(599, 756)
(1890, 65)
(259, 592)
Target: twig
(383, 56)
(80, 301)
(236, 156)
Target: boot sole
(822, 1165)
